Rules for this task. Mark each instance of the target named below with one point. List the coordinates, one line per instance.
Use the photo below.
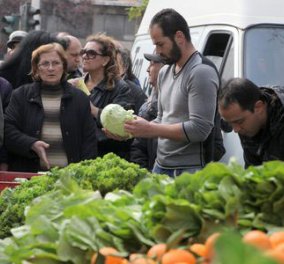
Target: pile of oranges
(272, 245)
(156, 254)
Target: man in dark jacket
(257, 115)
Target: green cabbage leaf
(113, 117)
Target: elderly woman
(105, 86)
(48, 122)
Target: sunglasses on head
(90, 54)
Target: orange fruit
(258, 239)
(94, 258)
(209, 245)
(174, 256)
(280, 247)
(198, 249)
(136, 258)
(277, 255)
(157, 251)
(108, 252)
(143, 260)
(276, 238)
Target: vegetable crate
(8, 179)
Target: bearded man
(187, 98)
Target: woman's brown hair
(45, 49)
(108, 48)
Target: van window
(215, 47)
(264, 55)
(219, 49)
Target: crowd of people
(53, 91)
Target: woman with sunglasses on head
(48, 122)
(105, 86)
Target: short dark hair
(170, 21)
(241, 91)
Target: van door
(221, 46)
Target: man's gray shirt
(188, 97)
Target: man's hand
(39, 148)
(142, 128)
(139, 127)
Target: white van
(244, 38)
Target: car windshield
(264, 55)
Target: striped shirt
(51, 129)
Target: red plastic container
(7, 178)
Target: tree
(137, 11)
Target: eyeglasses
(90, 54)
(47, 64)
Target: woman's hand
(113, 136)
(94, 110)
(39, 148)
(74, 81)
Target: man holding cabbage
(187, 99)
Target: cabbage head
(113, 117)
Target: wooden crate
(7, 178)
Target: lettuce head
(113, 117)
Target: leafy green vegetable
(104, 174)
(113, 117)
(67, 226)
(14, 201)
(71, 221)
(173, 215)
